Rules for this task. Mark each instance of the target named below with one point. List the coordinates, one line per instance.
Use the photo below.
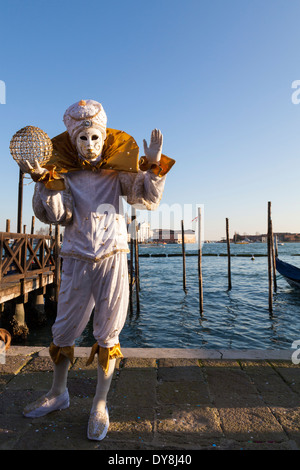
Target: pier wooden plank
(12, 289)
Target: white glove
(153, 152)
(36, 170)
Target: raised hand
(153, 152)
(36, 170)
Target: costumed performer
(91, 169)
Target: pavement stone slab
(188, 426)
(159, 400)
(136, 388)
(183, 392)
(243, 424)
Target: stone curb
(165, 353)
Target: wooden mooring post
(200, 281)
(131, 275)
(32, 225)
(273, 258)
(183, 258)
(270, 259)
(228, 254)
(134, 263)
(276, 247)
(20, 201)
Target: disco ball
(31, 143)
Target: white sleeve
(52, 207)
(143, 189)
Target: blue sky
(214, 75)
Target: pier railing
(24, 255)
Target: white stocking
(103, 386)
(60, 376)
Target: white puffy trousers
(85, 285)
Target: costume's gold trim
(57, 353)
(51, 180)
(160, 169)
(104, 355)
(120, 153)
(93, 260)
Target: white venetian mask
(89, 143)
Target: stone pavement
(160, 399)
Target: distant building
(173, 236)
(263, 238)
(288, 237)
(163, 236)
(189, 236)
(144, 232)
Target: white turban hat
(83, 114)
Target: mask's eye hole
(94, 137)
(83, 137)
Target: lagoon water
(235, 319)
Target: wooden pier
(29, 270)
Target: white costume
(86, 197)
(94, 248)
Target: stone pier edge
(165, 353)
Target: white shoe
(45, 405)
(98, 425)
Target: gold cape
(120, 152)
